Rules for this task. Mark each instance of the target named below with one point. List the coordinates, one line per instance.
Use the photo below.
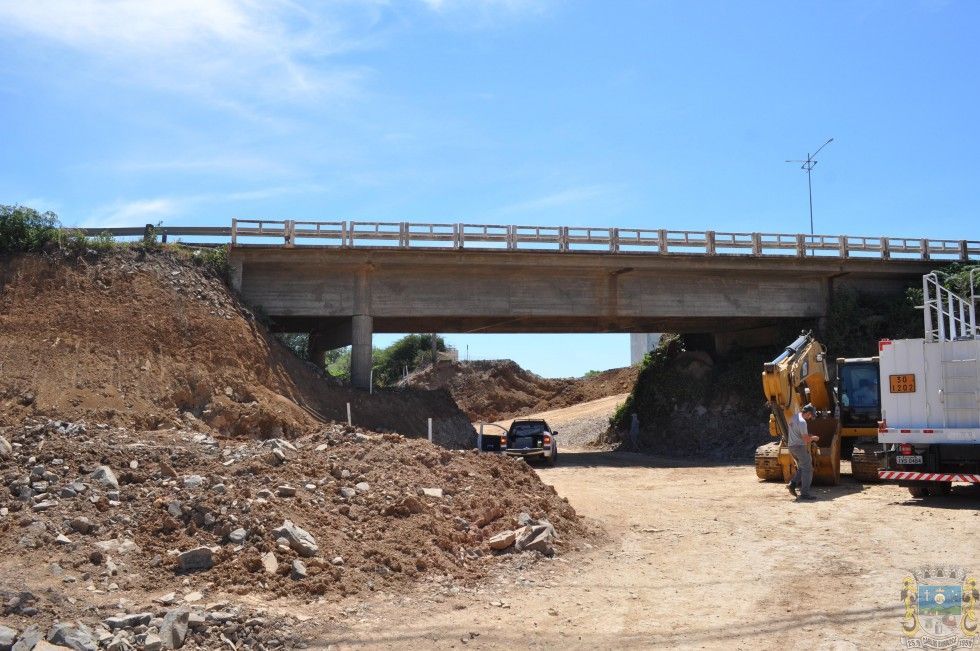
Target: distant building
(642, 343)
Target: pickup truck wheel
(553, 459)
(918, 491)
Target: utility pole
(807, 166)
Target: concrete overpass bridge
(343, 281)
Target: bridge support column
(362, 326)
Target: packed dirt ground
(494, 390)
(172, 477)
(698, 557)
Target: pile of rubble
(105, 516)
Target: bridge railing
(407, 235)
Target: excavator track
(864, 464)
(767, 462)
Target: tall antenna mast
(807, 166)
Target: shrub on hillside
(25, 230)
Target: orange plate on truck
(902, 383)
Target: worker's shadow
(824, 493)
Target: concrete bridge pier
(362, 326)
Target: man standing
(799, 446)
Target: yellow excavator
(847, 412)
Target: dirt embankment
(690, 404)
(493, 390)
(186, 453)
(150, 341)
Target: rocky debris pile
(149, 340)
(105, 513)
(492, 390)
(161, 626)
(535, 535)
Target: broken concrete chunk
(432, 492)
(131, 620)
(298, 570)
(199, 558)
(269, 563)
(503, 540)
(301, 541)
(105, 476)
(174, 629)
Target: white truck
(930, 397)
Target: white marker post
(349, 421)
(430, 430)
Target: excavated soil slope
(492, 390)
(99, 505)
(149, 340)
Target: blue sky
(615, 113)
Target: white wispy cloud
(565, 197)
(150, 210)
(487, 5)
(224, 50)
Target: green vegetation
(25, 230)
(411, 352)
(857, 321)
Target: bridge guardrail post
(457, 236)
(511, 237)
(709, 242)
(290, 228)
(344, 235)
(563, 238)
(800, 245)
(614, 240)
(234, 231)
(662, 240)
(886, 252)
(924, 249)
(403, 235)
(964, 251)
(843, 246)
(756, 244)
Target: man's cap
(809, 408)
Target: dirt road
(697, 557)
(581, 424)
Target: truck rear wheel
(940, 488)
(918, 491)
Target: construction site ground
(700, 557)
(696, 557)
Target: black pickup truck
(532, 439)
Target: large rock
(6, 450)
(300, 540)
(270, 563)
(7, 637)
(173, 630)
(105, 476)
(28, 639)
(131, 620)
(536, 538)
(47, 646)
(503, 540)
(79, 638)
(199, 558)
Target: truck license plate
(909, 459)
